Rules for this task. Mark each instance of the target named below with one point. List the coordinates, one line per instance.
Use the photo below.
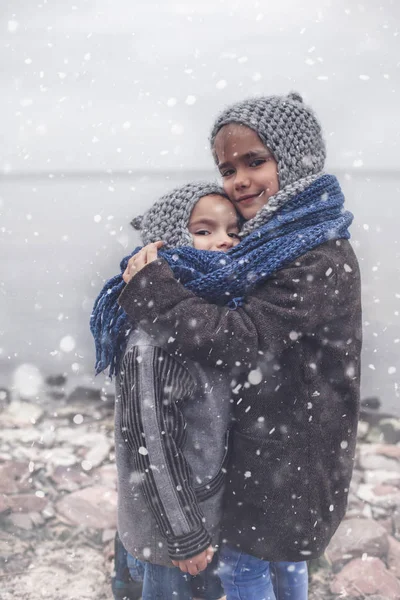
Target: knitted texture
(168, 218)
(287, 126)
(275, 203)
(309, 219)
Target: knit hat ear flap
(137, 222)
(295, 96)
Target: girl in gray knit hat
(294, 338)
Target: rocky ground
(58, 503)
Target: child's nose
(225, 242)
(242, 179)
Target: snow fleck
(261, 419)
(12, 26)
(171, 102)
(221, 84)
(271, 431)
(392, 370)
(309, 405)
(255, 376)
(358, 162)
(78, 419)
(127, 125)
(350, 371)
(40, 494)
(329, 271)
(294, 335)
(322, 78)
(97, 218)
(143, 451)
(190, 100)
(170, 340)
(291, 568)
(31, 467)
(364, 77)
(67, 343)
(177, 129)
(86, 465)
(27, 380)
(372, 367)
(62, 75)
(139, 359)
(26, 102)
(28, 61)
(179, 488)
(146, 552)
(247, 474)
(347, 268)
(344, 444)
(87, 56)
(331, 508)
(243, 59)
(366, 227)
(256, 76)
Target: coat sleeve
(292, 302)
(153, 387)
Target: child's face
(214, 224)
(248, 168)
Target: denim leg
(290, 580)
(244, 577)
(164, 583)
(136, 568)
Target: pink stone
(355, 537)
(92, 507)
(367, 577)
(388, 450)
(393, 557)
(4, 504)
(26, 503)
(14, 477)
(383, 490)
(70, 478)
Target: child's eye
(234, 235)
(257, 162)
(202, 232)
(227, 172)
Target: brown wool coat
(295, 346)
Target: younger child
(171, 423)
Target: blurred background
(104, 106)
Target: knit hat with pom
(168, 218)
(287, 126)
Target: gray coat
(171, 435)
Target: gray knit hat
(168, 218)
(287, 126)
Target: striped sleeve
(154, 386)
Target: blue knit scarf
(309, 219)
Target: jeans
(246, 577)
(165, 583)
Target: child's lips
(249, 198)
